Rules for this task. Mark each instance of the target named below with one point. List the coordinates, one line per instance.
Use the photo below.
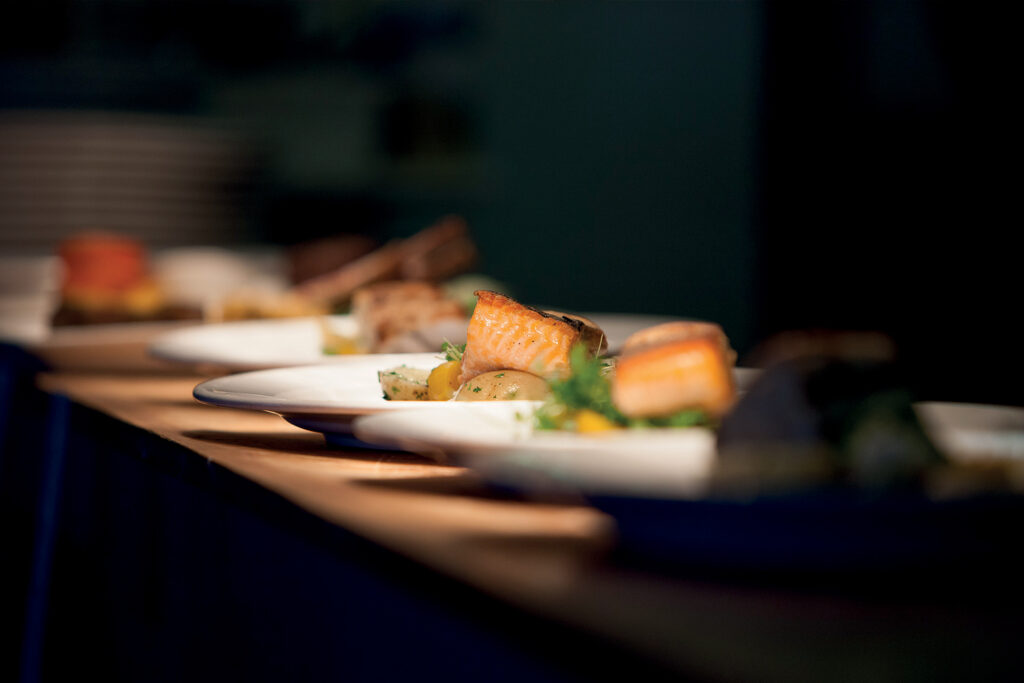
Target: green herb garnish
(452, 351)
(588, 388)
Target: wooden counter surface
(548, 559)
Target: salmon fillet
(674, 367)
(504, 334)
(675, 331)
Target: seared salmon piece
(675, 331)
(504, 334)
(674, 367)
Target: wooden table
(551, 564)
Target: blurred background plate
(110, 347)
(253, 344)
(261, 344)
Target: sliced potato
(504, 385)
(402, 383)
(443, 381)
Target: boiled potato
(404, 384)
(504, 385)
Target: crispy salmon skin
(504, 334)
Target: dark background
(766, 165)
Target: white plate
(972, 432)
(498, 439)
(287, 342)
(321, 398)
(252, 344)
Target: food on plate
(107, 279)
(333, 343)
(424, 384)
(443, 381)
(258, 304)
(406, 316)
(674, 331)
(504, 334)
(511, 350)
(504, 385)
(583, 402)
(677, 374)
(435, 254)
(672, 367)
(403, 383)
(591, 335)
(327, 273)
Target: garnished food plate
(674, 509)
(287, 342)
(322, 398)
(499, 439)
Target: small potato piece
(404, 384)
(444, 381)
(504, 385)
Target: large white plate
(321, 398)
(286, 342)
(498, 439)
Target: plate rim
(205, 393)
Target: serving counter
(155, 538)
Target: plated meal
(381, 320)
(553, 362)
(828, 409)
(674, 374)
(819, 459)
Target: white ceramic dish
(321, 398)
(328, 398)
(252, 344)
(262, 344)
(498, 440)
